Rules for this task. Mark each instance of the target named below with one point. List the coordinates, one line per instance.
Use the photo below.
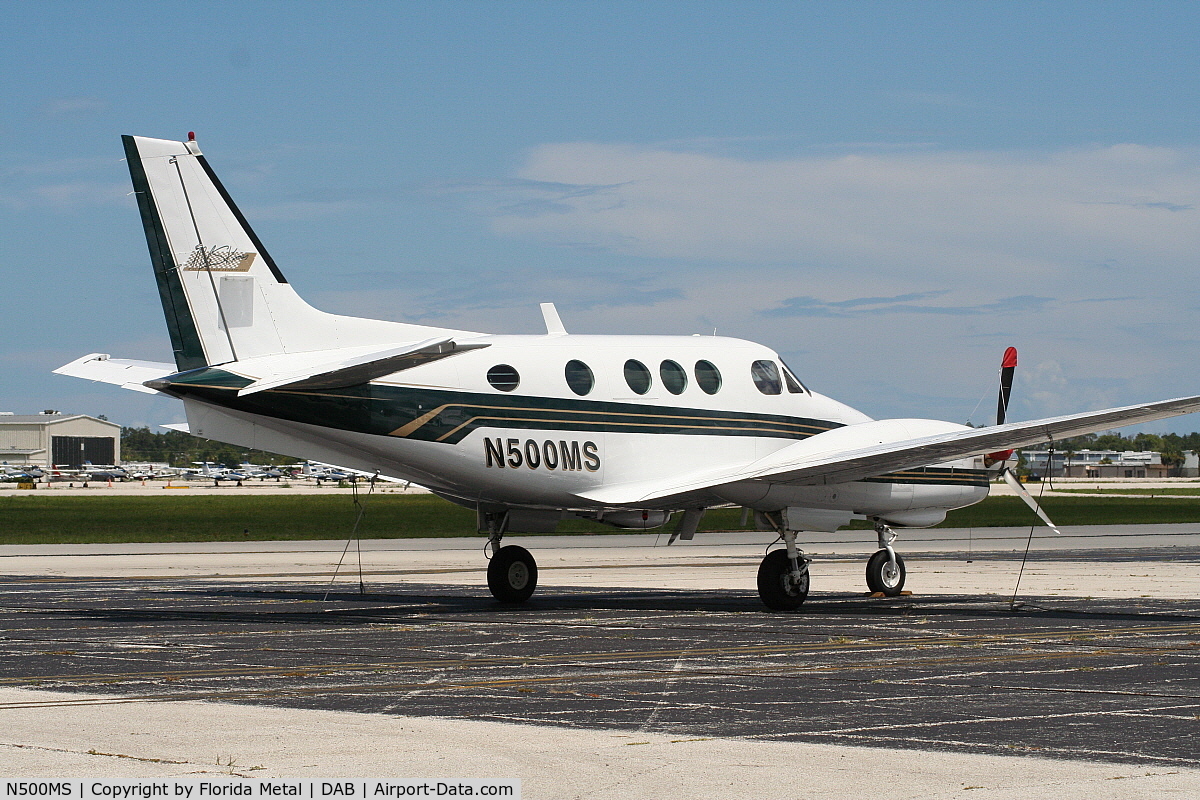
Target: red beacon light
(191, 136)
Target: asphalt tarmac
(1093, 673)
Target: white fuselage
(539, 443)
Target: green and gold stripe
(448, 416)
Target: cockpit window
(637, 376)
(674, 377)
(793, 383)
(766, 377)
(579, 377)
(708, 377)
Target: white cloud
(297, 210)
(80, 194)
(69, 106)
(942, 215)
(895, 279)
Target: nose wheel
(883, 575)
(885, 569)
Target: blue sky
(887, 193)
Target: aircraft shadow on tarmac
(343, 606)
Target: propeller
(1023, 493)
(1008, 366)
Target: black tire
(880, 579)
(512, 574)
(775, 585)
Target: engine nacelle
(634, 520)
(920, 518)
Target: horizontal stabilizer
(360, 369)
(123, 372)
(803, 463)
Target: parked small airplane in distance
(262, 473)
(526, 429)
(210, 470)
(25, 473)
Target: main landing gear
(885, 569)
(512, 572)
(783, 576)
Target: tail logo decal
(221, 258)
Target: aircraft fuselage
(538, 421)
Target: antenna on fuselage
(554, 325)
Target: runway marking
(607, 676)
(728, 651)
(1068, 637)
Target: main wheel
(883, 578)
(512, 574)
(776, 586)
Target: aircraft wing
(801, 464)
(123, 372)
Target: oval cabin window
(579, 377)
(637, 376)
(673, 376)
(708, 377)
(503, 377)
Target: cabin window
(766, 377)
(708, 377)
(503, 377)
(793, 383)
(637, 376)
(674, 377)
(579, 377)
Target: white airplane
(525, 429)
(211, 470)
(329, 472)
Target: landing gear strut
(512, 572)
(885, 569)
(783, 576)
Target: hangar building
(64, 440)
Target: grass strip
(34, 519)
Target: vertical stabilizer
(224, 298)
(215, 279)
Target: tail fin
(224, 298)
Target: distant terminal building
(1095, 464)
(51, 439)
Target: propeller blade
(1007, 367)
(1024, 494)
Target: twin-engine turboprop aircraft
(627, 430)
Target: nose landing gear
(885, 569)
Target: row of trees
(180, 449)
